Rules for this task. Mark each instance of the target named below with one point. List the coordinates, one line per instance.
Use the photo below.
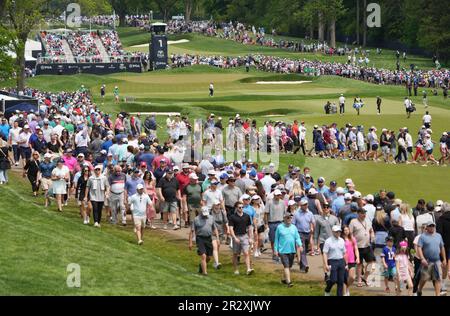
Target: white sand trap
(156, 113)
(181, 41)
(281, 82)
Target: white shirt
(47, 133)
(341, 100)
(407, 222)
(370, 208)
(82, 139)
(138, 204)
(209, 196)
(407, 103)
(267, 182)
(14, 134)
(58, 129)
(334, 248)
(408, 139)
(427, 118)
(25, 137)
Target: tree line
(408, 23)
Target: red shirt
(183, 180)
(156, 161)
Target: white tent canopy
(30, 46)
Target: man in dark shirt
(160, 171)
(168, 191)
(242, 236)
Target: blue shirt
(331, 196)
(302, 221)
(388, 256)
(131, 185)
(323, 189)
(286, 239)
(250, 211)
(4, 129)
(334, 248)
(337, 204)
(348, 218)
(107, 144)
(46, 169)
(147, 158)
(431, 246)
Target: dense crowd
(83, 47)
(70, 149)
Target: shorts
(329, 146)
(272, 228)
(243, 246)
(385, 150)
(261, 229)
(193, 212)
(375, 147)
(362, 148)
(390, 273)
(204, 246)
(409, 149)
(170, 207)
(220, 239)
(351, 265)
(139, 221)
(431, 273)
(366, 254)
(430, 151)
(287, 259)
(46, 183)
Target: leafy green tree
(7, 62)
(22, 17)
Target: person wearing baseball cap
(334, 262)
(369, 207)
(322, 188)
(212, 193)
(339, 201)
(287, 244)
(168, 191)
(138, 203)
(46, 168)
(304, 222)
(204, 228)
(361, 229)
(275, 208)
(192, 194)
(97, 188)
(430, 250)
(183, 180)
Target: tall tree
(22, 16)
(434, 28)
(121, 8)
(165, 6)
(358, 21)
(334, 9)
(7, 62)
(364, 23)
(188, 7)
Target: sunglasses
(239, 207)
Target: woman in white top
(407, 221)
(258, 223)
(60, 177)
(13, 139)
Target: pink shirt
(70, 162)
(349, 249)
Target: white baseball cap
(139, 186)
(277, 192)
(246, 197)
(348, 181)
(340, 190)
(48, 155)
(347, 196)
(336, 228)
(369, 197)
(205, 210)
(291, 202)
(312, 191)
(193, 176)
(357, 195)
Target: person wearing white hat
(221, 221)
(24, 144)
(138, 204)
(341, 104)
(192, 193)
(369, 207)
(204, 228)
(338, 201)
(428, 146)
(60, 178)
(98, 190)
(334, 262)
(304, 221)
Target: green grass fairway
(203, 45)
(38, 244)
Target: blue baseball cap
(224, 176)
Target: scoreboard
(158, 52)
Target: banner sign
(90, 68)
